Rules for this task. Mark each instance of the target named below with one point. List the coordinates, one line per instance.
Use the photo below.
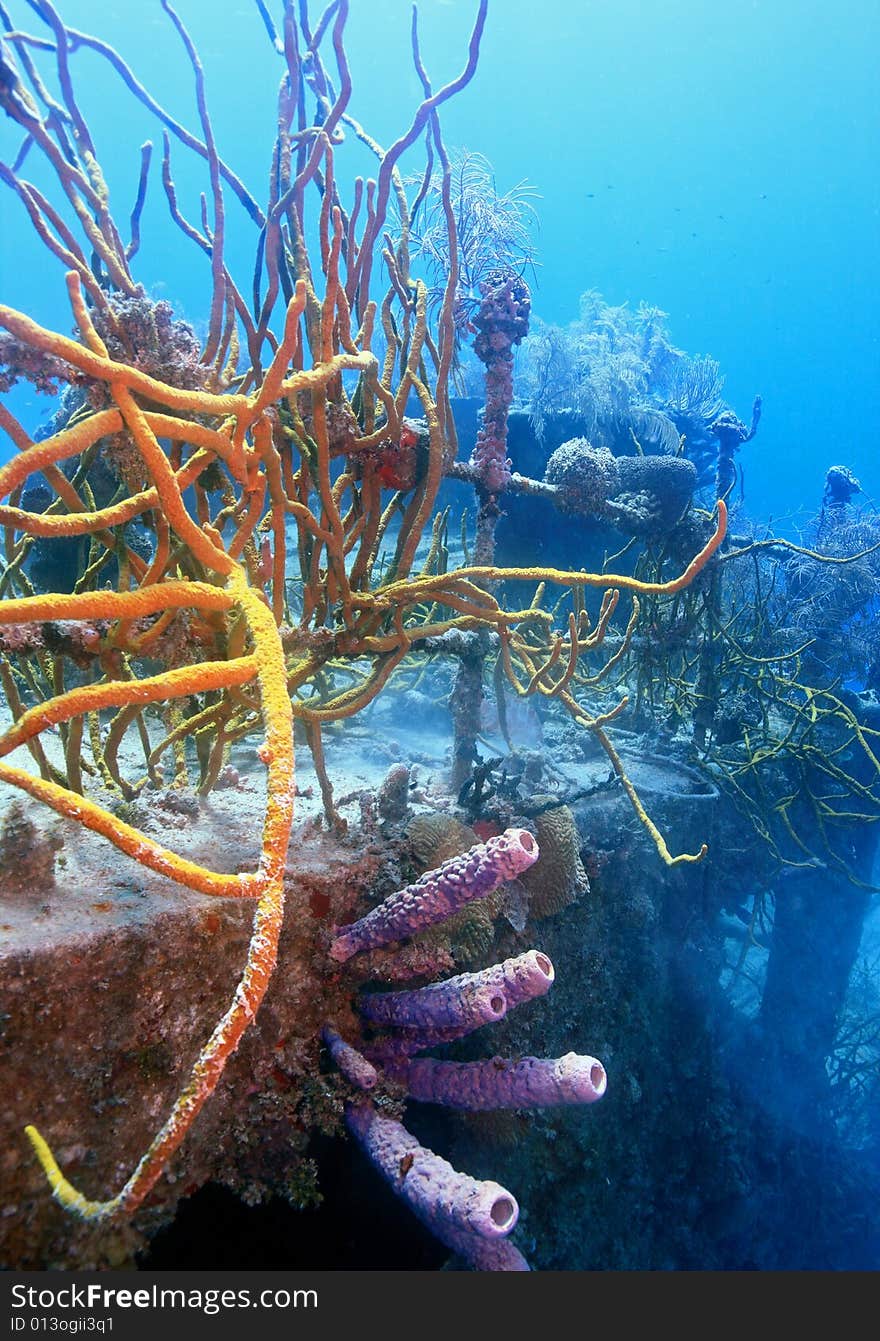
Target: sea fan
(494, 231)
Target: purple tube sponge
(531, 1082)
(522, 978)
(353, 1065)
(465, 1002)
(485, 1254)
(440, 893)
(462, 1003)
(454, 1206)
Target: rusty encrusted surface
(110, 983)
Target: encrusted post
(731, 433)
(502, 321)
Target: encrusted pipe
(531, 1082)
(450, 1203)
(465, 1002)
(440, 893)
(353, 1065)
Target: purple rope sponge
(531, 1082)
(465, 1002)
(355, 1067)
(453, 1205)
(438, 894)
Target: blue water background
(718, 160)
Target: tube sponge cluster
(472, 1218)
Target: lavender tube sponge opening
(438, 894)
(523, 978)
(450, 1203)
(465, 1002)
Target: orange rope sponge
(267, 886)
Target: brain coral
(558, 876)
